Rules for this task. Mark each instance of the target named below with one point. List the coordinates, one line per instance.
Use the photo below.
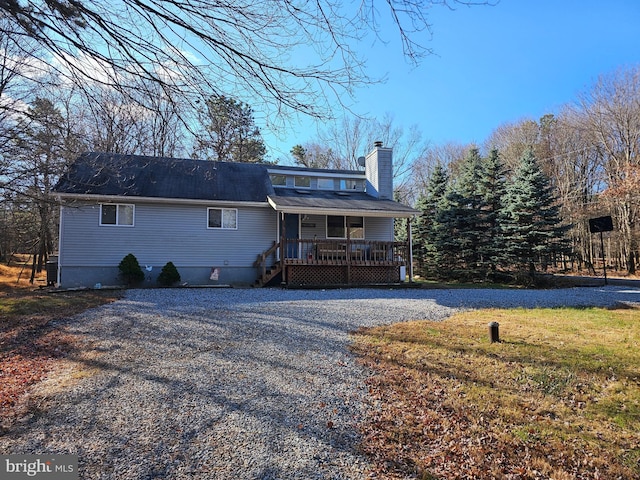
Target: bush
(169, 275)
(130, 270)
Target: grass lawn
(30, 342)
(558, 398)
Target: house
(230, 223)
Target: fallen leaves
(28, 351)
(441, 412)
(31, 343)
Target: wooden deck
(341, 252)
(334, 262)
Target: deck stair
(267, 272)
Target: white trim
(60, 245)
(118, 224)
(162, 200)
(304, 173)
(221, 227)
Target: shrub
(169, 275)
(130, 270)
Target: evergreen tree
(298, 153)
(492, 188)
(530, 217)
(459, 219)
(425, 228)
(399, 224)
(468, 202)
(230, 133)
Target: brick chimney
(378, 168)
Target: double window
(117, 214)
(338, 225)
(224, 218)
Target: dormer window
(278, 180)
(347, 184)
(300, 181)
(325, 183)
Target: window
(226, 218)
(117, 214)
(325, 183)
(337, 227)
(302, 182)
(346, 184)
(356, 227)
(278, 180)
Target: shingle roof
(158, 177)
(107, 174)
(347, 201)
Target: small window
(278, 180)
(224, 218)
(346, 184)
(325, 183)
(302, 182)
(117, 214)
(337, 227)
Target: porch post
(410, 256)
(348, 252)
(283, 247)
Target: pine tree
(229, 132)
(460, 219)
(425, 228)
(530, 221)
(492, 188)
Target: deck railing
(343, 252)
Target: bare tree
(513, 139)
(610, 111)
(408, 147)
(353, 137)
(445, 155)
(40, 148)
(315, 155)
(209, 46)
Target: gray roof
(107, 174)
(349, 202)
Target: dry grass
(31, 345)
(16, 277)
(558, 398)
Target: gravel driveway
(233, 384)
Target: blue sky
(492, 65)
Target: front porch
(335, 262)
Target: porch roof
(329, 202)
